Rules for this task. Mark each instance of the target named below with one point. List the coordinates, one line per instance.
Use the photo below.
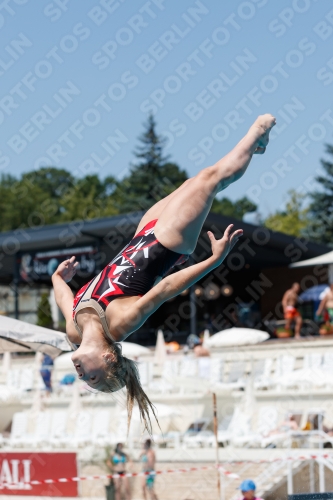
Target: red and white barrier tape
(179, 471)
(280, 459)
(131, 474)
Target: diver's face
(90, 365)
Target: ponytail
(124, 373)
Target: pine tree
(44, 315)
(320, 227)
(152, 177)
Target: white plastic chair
(328, 361)
(26, 380)
(166, 382)
(312, 360)
(236, 372)
(204, 367)
(188, 367)
(285, 364)
(266, 422)
(267, 419)
(58, 434)
(170, 369)
(19, 429)
(82, 433)
(41, 432)
(197, 430)
(100, 433)
(216, 371)
(13, 378)
(237, 425)
(145, 373)
(261, 378)
(235, 378)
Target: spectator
(327, 304)
(148, 459)
(287, 425)
(248, 489)
(201, 351)
(117, 465)
(291, 313)
(236, 322)
(45, 371)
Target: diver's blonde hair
(123, 372)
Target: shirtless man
(327, 303)
(289, 304)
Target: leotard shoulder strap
(85, 301)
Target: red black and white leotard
(133, 272)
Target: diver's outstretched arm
(136, 314)
(63, 294)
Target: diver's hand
(222, 247)
(67, 269)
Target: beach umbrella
(20, 336)
(160, 349)
(206, 337)
(326, 258)
(315, 293)
(237, 337)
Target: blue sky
(78, 79)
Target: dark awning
(260, 247)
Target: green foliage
(236, 209)
(293, 220)
(44, 316)
(48, 196)
(320, 227)
(89, 198)
(18, 203)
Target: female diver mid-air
(129, 289)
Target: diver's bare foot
(261, 128)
